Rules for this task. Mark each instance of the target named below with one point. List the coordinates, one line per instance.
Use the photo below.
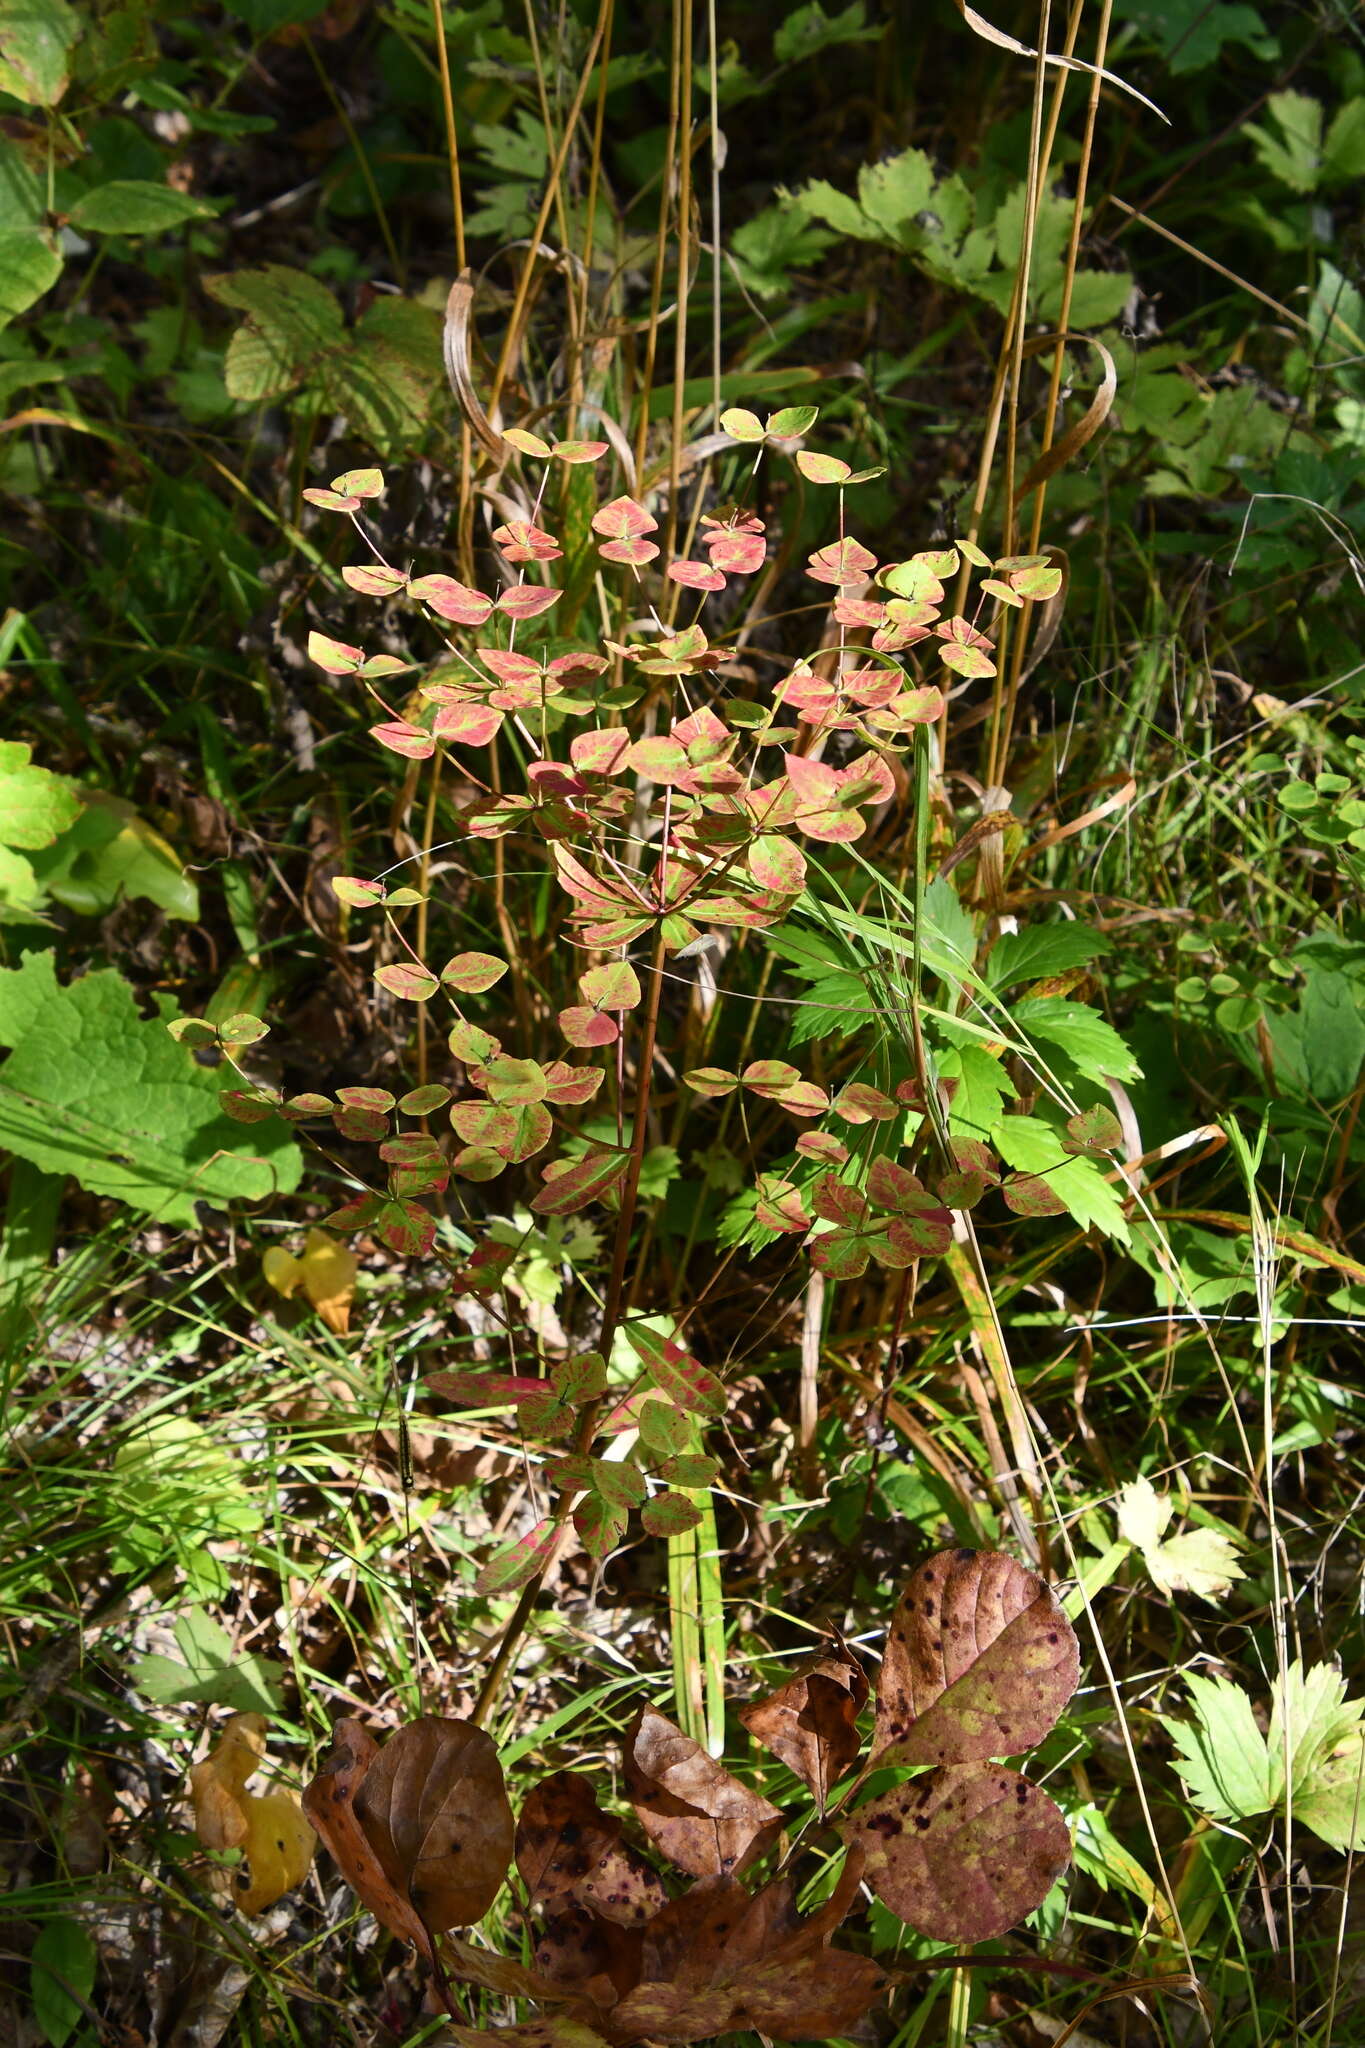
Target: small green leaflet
(1233, 1772)
(1032, 1146)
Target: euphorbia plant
(647, 787)
(979, 1663)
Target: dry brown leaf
(421, 1829)
(568, 1850)
(267, 1827)
(811, 1723)
(979, 1662)
(694, 1812)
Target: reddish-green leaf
(963, 1854)
(779, 1205)
(741, 424)
(711, 1080)
(405, 1227)
(579, 451)
(670, 1514)
(527, 600)
(472, 973)
(585, 1027)
(517, 1562)
(401, 738)
(860, 1103)
(843, 561)
(373, 581)
(600, 1524)
(359, 483)
(695, 576)
(360, 895)
(775, 863)
(980, 1661)
(623, 518)
(1031, 1194)
(334, 655)
(450, 599)
(613, 987)
(527, 443)
(822, 469)
(676, 1373)
(1092, 1130)
(571, 1185)
(406, 979)
(468, 725)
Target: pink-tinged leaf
(920, 706)
(1093, 1131)
(334, 655)
(422, 1101)
(486, 1389)
(669, 1514)
(414, 1149)
(401, 738)
(965, 661)
(779, 1205)
(574, 671)
(587, 1027)
(514, 1081)
(917, 1234)
(360, 895)
(372, 581)
(382, 665)
(248, 1106)
(792, 420)
(606, 934)
(405, 1228)
(738, 554)
(379, 1100)
(485, 1269)
(711, 1080)
(569, 1087)
(695, 576)
(301, 1107)
(472, 973)
(991, 586)
(527, 600)
(814, 782)
(822, 1145)
(622, 519)
(980, 1661)
(468, 725)
(517, 1562)
(634, 551)
(861, 1104)
(472, 1044)
(811, 1723)
(839, 1256)
(527, 443)
(677, 1375)
(600, 1524)
(613, 987)
(601, 752)
(775, 863)
(451, 600)
(961, 1190)
(330, 501)
(509, 666)
(479, 1162)
(406, 979)
(1032, 1194)
(843, 561)
(571, 1185)
(822, 469)
(662, 760)
(360, 483)
(963, 1854)
(357, 1214)
(1042, 580)
(770, 1077)
(858, 611)
(579, 451)
(741, 424)
(522, 541)
(777, 1082)
(361, 1126)
(837, 1202)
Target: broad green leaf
(1040, 950)
(808, 30)
(1333, 1034)
(110, 853)
(211, 1674)
(1087, 1039)
(36, 41)
(30, 264)
(1033, 1146)
(135, 206)
(292, 325)
(1289, 141)
(1223, 1757)
(35, 805)
(61, 1964)
(96, 1091)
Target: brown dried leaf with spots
(696, 1814)
(569, 1852)
(421, 1829)
(963, 1853)
(979, 1663)
(811, 1723)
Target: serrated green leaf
(135, 206)
(1080, 1033)
(35, 805)
(1222, 1753)
(1040, 950)
(96, 1091)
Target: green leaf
(292, 326)
(1321, 1731)
(135, 206)
(1032, 1146)
(1041, 950)
(1333, 1035)
(99, 1092)
(211, 1674)
(110, 853)
(809, 30)
(1222, 1753)
(30, 264)
(1290, 143)
(61, 1968)
(35, 805)
(1091, 1044)
(670, 1514)
(36, 40)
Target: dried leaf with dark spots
(810, 1723)
(568, 1849)
(556, 2032)
(421, 1829)
(979, 1662)
(694, 1812)
(963, 1853)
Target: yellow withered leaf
(326, 1273)
(269, 1828)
